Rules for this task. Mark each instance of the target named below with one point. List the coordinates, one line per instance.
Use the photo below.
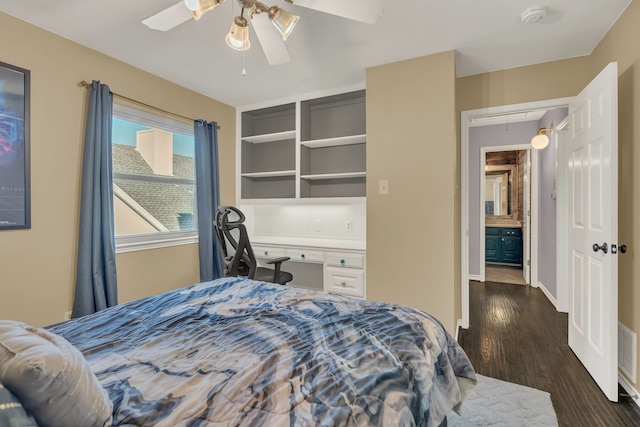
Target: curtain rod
(85, 84)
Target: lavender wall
(547, 204)
(488, 136)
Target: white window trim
(140, 242)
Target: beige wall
(620, 45)
(411, 135)
(37, 266)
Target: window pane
(154, 178)
(150, 207)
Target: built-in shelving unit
(324, 158)
(268, 153)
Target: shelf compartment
(271, 174)
(335, 142)
(333, 116)
(268, 156)
(333, 159)
(268, 187)
(280, 118)
(333, 187)
(270, 137)
(342, 175)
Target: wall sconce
(541, 140)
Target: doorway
(506, 198)
(507, 116)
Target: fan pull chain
(244, 70)
(246, 36)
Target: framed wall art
(15, 206)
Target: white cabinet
(341, 272)
(345, 281)
(324, 158)
(269, 252)
(344, 273)
(306, 255)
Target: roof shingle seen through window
(170, 203)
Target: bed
(236, 352)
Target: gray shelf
(270, 137)
(335, 142)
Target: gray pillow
(51, 378)
(12, 414)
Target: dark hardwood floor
(517, 335)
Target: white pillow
(51, 378)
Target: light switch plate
(383, 187)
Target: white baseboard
(458, 326)
(475, 277)
(546, 293)
(632, 392)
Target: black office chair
(238, 258)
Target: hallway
(517, 335)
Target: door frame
(562, 215)
(465, 124)
(533, 232)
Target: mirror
(501, 191)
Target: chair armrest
(277, 264)
(277, 260)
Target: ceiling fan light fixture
(200, 7)
(192, 4)
(283, 21)
(238, 36)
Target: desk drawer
(269, 252)
(345, 281)
(303, 255)
(338, 259)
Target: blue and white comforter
(236, 352)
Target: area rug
(499, 403)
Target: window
(153, 180)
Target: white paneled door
(593, 269)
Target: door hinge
(529, 262)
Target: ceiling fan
(263, 18)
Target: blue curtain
(208, 197)
(96, 285)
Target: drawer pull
(343, 283)
(342, 261)
(302, 256)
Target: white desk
(336, 266)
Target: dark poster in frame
(15, 206)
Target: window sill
(154, 241)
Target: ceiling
(327, 52)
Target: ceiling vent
(533, 15)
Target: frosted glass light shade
(283, 21)
(238, 37)
(200, 7)
(540, 141)
(192, 4)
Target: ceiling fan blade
(367, 11)
(169, 18)
(272, 44)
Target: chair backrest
(238, 258)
